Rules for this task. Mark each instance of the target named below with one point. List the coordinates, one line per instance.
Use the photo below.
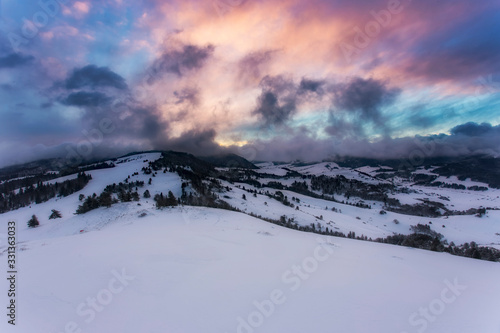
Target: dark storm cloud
(359, 102)
(131, 122)
(306, 148)
(340, 128)
(315, 86)
(366, 97)
(86, 99)
(180, 61)
(94, 77)
(188, 95)
(272, 110)
(253, 65)
(14, 60)
(280, 98)
(474, 129)
(197, 142)
(278, 101)
(143, 123)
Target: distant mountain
(174, 158)
(30, 168)
(478, 168)
(228, 161)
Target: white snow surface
(196, 269)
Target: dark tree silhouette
(33, 222)
(55, 214)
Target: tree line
(42, 192)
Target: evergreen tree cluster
(165, 201)
(42, 192)
(123, 187)
(126, 192)
(33, 222)
(90, 203)
(426, 241)
(14, 184)
(77, 169)
(350, 187)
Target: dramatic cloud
(198, 142)
(182, 74)
(365, 96)
(252, 67)
(278, 100)
(314, 86)
(406, 149)
(14, 60)
(181, 60)
(144, 124)
(87, 99)
(130, 122)
(473, 129)
(94, 77)
(340, 128)
(364, 99)
(189, 95)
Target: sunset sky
(268, 80)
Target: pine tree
(33, 222)
(89, 204)
(171, 201)
(160, 200)
(105, 199)
(147, 194)
(55, 214)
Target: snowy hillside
(204, 270)
(135, 268)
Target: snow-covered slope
(134, 268)
(345, 218)
(367, 222)
(206, 270)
